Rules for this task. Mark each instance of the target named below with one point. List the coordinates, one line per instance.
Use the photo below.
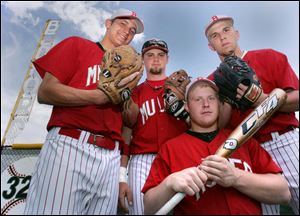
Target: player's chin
(122, 41)
(228, 51)
(155, 70)
(209, 118)
(207, 122)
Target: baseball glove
(174, 93)
(229, 75)
(121, 70)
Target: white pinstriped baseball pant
(284, 149)
(138, 171)
(74, 177)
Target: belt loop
(116, 145)
(94, 139)
(84, 136)
(275, 135)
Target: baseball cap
(123, 13)
(216, 18)
(155, 43)
(201, 79)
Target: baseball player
(152, 128)
(279, 135)
(77, 169)
(248, 177)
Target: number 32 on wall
(15, 180)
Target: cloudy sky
(181, 24)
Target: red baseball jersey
(75, 62)
(187, 151)
(273, 71)
(154, 126)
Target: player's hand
(241, 90)
(190, 181)
(125, 192)
(220, 170)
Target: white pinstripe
(284, 149)
(138, 171)
(74, 177)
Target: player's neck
(207, 137)
(155, 77)
(199, 129)
(106, 43)
(238, 52)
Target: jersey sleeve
(60, 61)
(286, 77)
(262, 161)
(211, 76)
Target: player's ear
(186, 107)
(108, 23)
(211, 47)
(237, 35)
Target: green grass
(286, 210)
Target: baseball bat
(249, 126)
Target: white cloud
(21, 11)
(139, 38)
(84, 15)
(9, 51)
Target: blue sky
(180, 23)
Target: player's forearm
(156, 197)
(126, 134)
(225, 115)
(266, 188)
(52, 92)
(70, 97)
(130, 113)
(124, 160)
(292, 102)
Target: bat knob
(210, 183)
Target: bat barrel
(253, 122)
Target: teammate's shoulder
(265, 52)
(139, 88)
(75, 41)
(79, 40)
(141, 85)
(73, 38)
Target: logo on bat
(230, 144)
(261, 113)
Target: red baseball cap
(122, 13)
(211, 83)
(216, 18)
